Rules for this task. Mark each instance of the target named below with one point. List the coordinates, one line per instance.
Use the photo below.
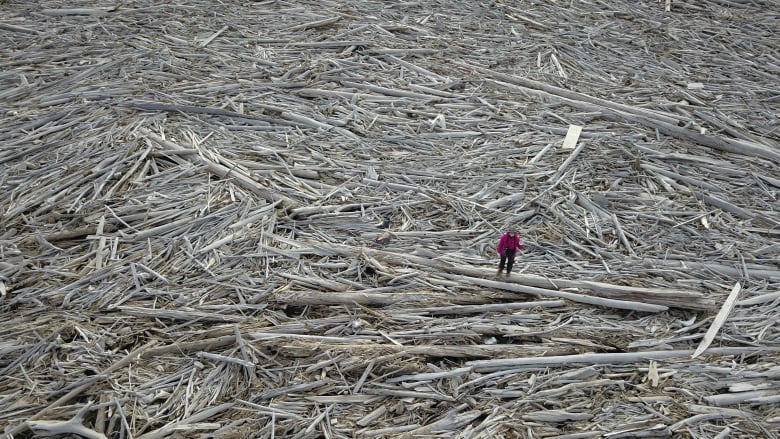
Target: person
(508, 246)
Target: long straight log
(759, 272)
(154, 106)
(661, 297)
(579, 298)
(304, 348)
(13, 28)
(367, 298)
(605, 358)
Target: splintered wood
(279, 219)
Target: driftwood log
(279, 218)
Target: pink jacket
(510, 242)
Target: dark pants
(507, 258)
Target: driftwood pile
(278, 219)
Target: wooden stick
(718, 321)
(580, 298)
(609, 358)
(78, 11)
(652, 296)
(211, 38)
(14, 28)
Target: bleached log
(415, 67)
(771, 399)
(328, 285)
(296, 388)
(579, 298)
(583, 435)
(304, 345)
(430, 234)
(737, 398)
(723, 205)
(757, 300)
(371, 417)
(80, 232)
(431, 376)
(343, 399)
(331, 44)
(641, 429)
(300, 119)
(610, 358)
(556, 391)
(154, 106)
(218, 243)
(451, 422)
(314, 24)
(56, 428)
(761, 272)
(706, 413)
(390, 91)
(389, 431)
(473, 309)
(341, 296)
(681, 178)
(400, 393)
(14, 28)
(78, 11)
(659, 297)
(189, 422)
(211, 38)
(586, 102)
(216, 357)
(718, 321)
(505, 201)
(179, 314)
(554, 179)
(555, 416)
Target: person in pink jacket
(508, 246)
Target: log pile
(278, 219)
